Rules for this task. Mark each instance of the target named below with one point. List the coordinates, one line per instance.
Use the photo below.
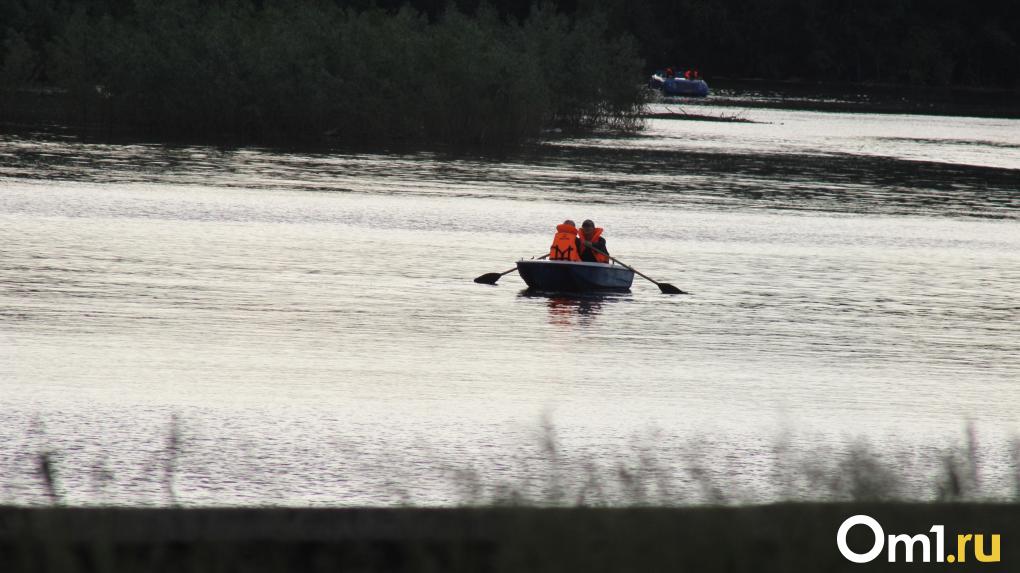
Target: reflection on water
(574, 309)
(563, 310)
(795, 160)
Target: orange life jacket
(564, 246)
(594, 239)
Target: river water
(305, 322)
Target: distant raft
(571, 276)
(678, 86)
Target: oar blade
(488, 278)
(667, 288)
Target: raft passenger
(566, 246)
(591, 236)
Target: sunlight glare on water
(311, 319)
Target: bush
(298, 70)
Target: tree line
(974, 43)
(470, 70)
(968, 43)
(290, 70)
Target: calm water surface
(311, 320)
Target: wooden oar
(666, 288)
(491, 278)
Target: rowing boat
(571, 276)
(678, 85)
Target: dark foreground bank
(782, 537)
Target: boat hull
(569, 276)
(684, 87)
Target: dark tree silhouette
(471, 71)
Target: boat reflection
(569, 309)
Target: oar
(491, 278)
(666, 288)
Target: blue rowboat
(684, 87)
(570, 276)
(678, 85)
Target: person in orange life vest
(591, 236)
(566, 246)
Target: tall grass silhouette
(645, 509)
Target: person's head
(569, 222)
(588, 228)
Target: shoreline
(50, 110)
(985, 103)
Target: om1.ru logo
(976, 541)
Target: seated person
(591, 236)
(566, 246)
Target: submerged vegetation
(682, 114)
(551, 474)
(699, 474)
(281, 70)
